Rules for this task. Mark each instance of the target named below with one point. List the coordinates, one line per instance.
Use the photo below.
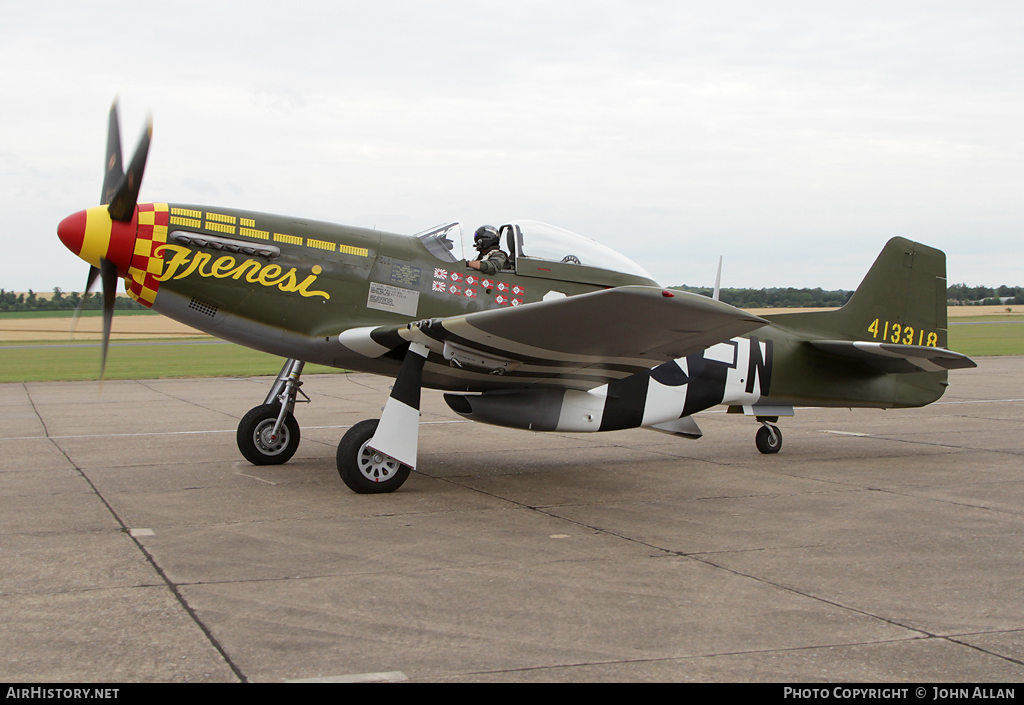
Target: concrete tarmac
(137, 544)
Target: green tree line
(958, 294)
(10, 301)
(985, 296)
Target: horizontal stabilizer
(893, 358)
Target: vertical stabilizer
(901, 300)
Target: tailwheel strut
(768, 439)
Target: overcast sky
(794, 138)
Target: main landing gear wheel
(768, 439)
(366, 471)
(256, 438)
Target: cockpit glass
(440, 241)
(554, 244)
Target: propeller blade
(114, 172)
(122, 205)
(108, 274)
(93, 273)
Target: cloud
(781, 135)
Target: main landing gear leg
(269, 434)
(377, 456)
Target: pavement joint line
(947, 501)
(700, 559)
(168, 583)
(688, 657)
(859, 611)
(185, 401)
(795, 591)
(940, 445)
(954, 640)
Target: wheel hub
(375, 466)
(264, 438)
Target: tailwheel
(257, 440)
(768, 439)
(364, 470)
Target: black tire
(254, 431)
(768, 441)
(363, 470)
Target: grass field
(987, 335)
(16, 315)
(21, 362)
(32, 361)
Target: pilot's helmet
(485, 238)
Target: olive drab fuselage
(288, 287)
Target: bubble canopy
(538, 240)
(533, 240)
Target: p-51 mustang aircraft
(569, 337)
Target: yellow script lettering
(184, 262)
(309, 280)
(221, 266)
(198, 260)
(266, 276)
(180, 257)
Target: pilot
(491, 258)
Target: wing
(578, 342)
(891, 358)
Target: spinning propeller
(105, 237)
